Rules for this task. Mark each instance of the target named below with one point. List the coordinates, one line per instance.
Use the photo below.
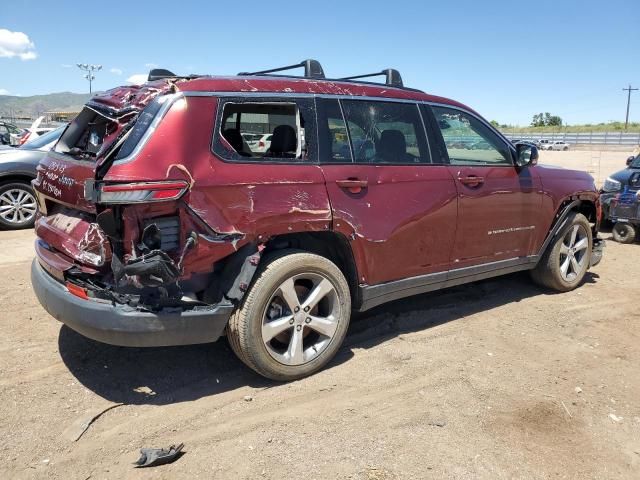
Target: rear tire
(624, 233)
(18, 206)
(566, 260)
(294, 318)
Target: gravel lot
(498, 379)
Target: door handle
(352, 184)
(471, 180)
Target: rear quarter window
(142, 125)
(265, 130)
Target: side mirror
(630, 159)
(526, 155)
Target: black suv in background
(623, 180)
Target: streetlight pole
(90, 69)
(628, 90)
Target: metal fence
(596, 138)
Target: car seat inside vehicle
(283, 142)
(233, 136)
(392, 147)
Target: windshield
(44, 140)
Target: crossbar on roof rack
(312, 69)
(392, 75)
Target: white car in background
(263, 143)
(557, 145)
(29, 134)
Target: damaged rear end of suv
(119, 251)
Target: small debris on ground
(248, 398)
(437, 423)
(578, 390)
(145, 390)
(151, 457)
(615, 418)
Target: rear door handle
(352, 184)
(471, 180)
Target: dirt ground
(498, 379)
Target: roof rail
(312, 69)
(393, 77)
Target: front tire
(624, 233)
(566, 260)
(18, 206)
(294, 318)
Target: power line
(628, 90)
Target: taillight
(24, 138)
(77, 290)
(141, 192)
(261, 143)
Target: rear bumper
(127, 326)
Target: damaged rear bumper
(124, 325)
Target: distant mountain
(37, 104)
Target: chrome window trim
(170, 99)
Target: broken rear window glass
(274, 130)
(85, 135)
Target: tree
(495, 123)
(538, 120)
(554, 121)
(546, 120)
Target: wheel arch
(331, 245)
(16, 177)
(587, 207)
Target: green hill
(11, 106)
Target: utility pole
(85, 67)
(628, 90)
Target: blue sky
(506, 59)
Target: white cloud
(16, 44)
(151, 65)
(4, 91)
(116, 71)
(138, 78)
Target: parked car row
(17, 168)
(13, 135)
(544, 144)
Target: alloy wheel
(301, 318)
(17, 206)
(573, 253)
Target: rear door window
(333, 132)
(386, 132)
(265, 130)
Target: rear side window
(386, 132)
(278, 131)
(333, 131)
(140, 128)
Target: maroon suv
(163, 221)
